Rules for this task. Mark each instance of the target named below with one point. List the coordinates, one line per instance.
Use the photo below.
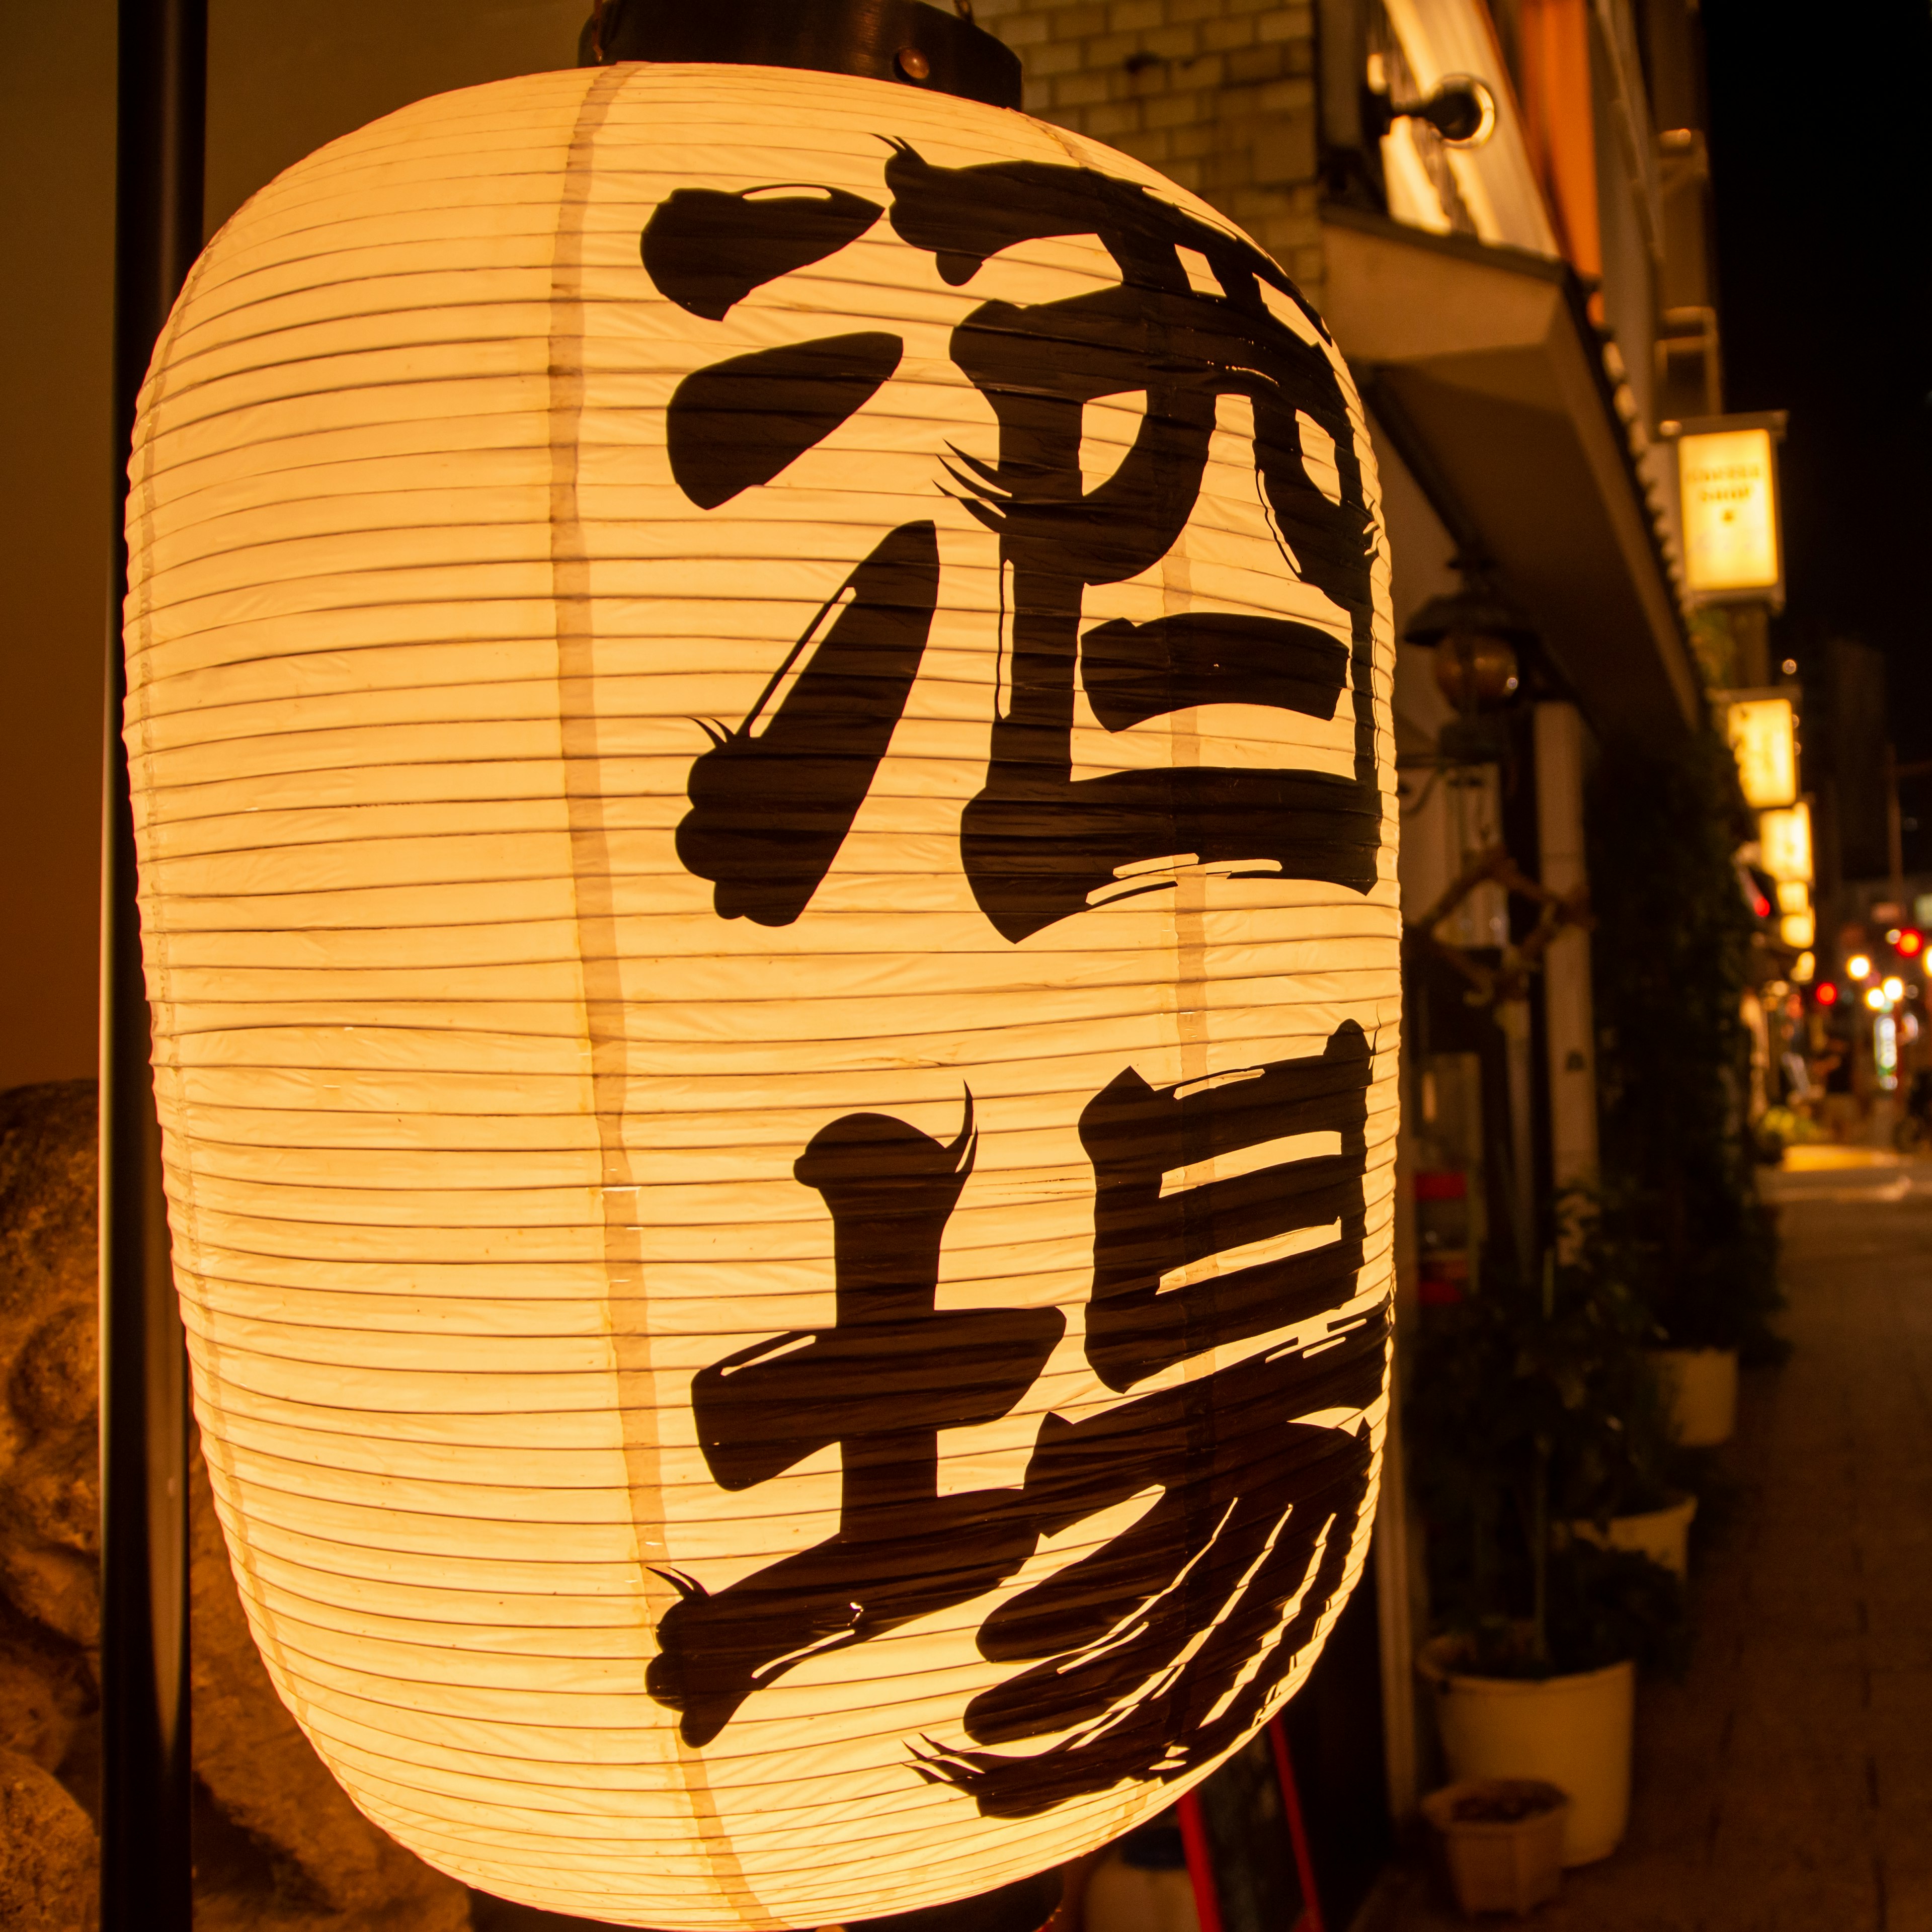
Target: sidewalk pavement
(1786, 1784)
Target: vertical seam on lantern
(599, 968)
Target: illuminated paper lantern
(758, 720)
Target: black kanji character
(1036, 844)
(708, 251)
(771, 802)
(1136, 1135)
(881, 1383)
(1164, 1647)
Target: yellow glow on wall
(1728, 483)
(1764, 741)
(1784, 843)
(1797, 929)
(1794, 895)
(693, 1146)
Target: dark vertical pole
(145, 1775)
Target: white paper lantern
(757, 712)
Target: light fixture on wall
(1479, 638)
(1462, 109)
(776, 1057)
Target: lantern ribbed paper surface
(758, 718)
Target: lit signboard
(1784, 843)
(1764, 739)
(1727, 481)
(1797, 925)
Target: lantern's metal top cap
(902, 40)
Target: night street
(998, 994)
(1786, 1781)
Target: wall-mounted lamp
(1477, 636)
(1462, 110)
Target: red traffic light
(1909, 943)
(1827, 995)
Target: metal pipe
(146, 1772)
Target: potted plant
(1676, 948)
(1502, 1841)
(1527, 1415)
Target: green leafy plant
(1533, 1406)
(1671, 962)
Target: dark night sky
(1822, 174)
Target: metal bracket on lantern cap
(902, 40)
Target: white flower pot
(1572, 1732)
(1662, 1535)
(1500, 1864)
(1700, 1386)
(1124, 1898)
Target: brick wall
(1218, 95)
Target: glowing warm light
(1857, 966)
(1764, 741)
(1784, 843)
(1875, 998)
(685, 1137)
(1884, 1051)
(1804, 967)
(1727, 480)
(1894, 989)
(1910, 942)
(1828, 992)
(1794, 895)
(1797, 929)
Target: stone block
(1180, 42)
(1235, 30)
(1291, 96)
(1080, 23)
(1249, 66)
(49, 1857)
(1177, 109)
(1057, 57)
(1284, 150)
(1112, 50)
(1152, 145)
(1286, 23)
(1113, 119)
(1085, 89)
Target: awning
(1481, 365)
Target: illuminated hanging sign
(757, 709)
(1784, 843)
(1764, 739)
(1727, 485)
(1797, 925)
